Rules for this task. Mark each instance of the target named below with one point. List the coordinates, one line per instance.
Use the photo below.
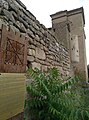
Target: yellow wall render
(12, 94)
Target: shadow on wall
(88, 72)
(29, 65)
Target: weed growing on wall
(51, 98)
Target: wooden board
(13, 52)
(12, 94)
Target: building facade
(68, 26)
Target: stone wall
(60, 30)
(44, 49)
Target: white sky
(42, 9)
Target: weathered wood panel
(12, 94)
(13, 51)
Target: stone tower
(68, 27)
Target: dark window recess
(29, 65)
(54, 29)
(68, 27)
(71, 38)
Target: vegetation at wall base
(49, 97)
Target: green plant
(52, 98)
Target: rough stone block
(5, 4)
(14, 28)
(60, 69)
(30, 58)
(45, 48)
(50, 61)
(8, 15)
(40, 54)
(44, 68)
(46, 63)
(29, 32)
(40, 61)
(19, 4)
(14, 14)
(50, 57)
(24, 22)
(30, 40)
(31, 52)
(22, 27)
(32, 47)
(36, 65)
(34, 43)
(38, 44)
(35, 26)
(40, 33)
(1, 22)
(42, 42)
(37, 38)
(41, 46)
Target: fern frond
(33, 91)
(54, 111)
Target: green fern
(51, 98)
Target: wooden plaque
(13, 52)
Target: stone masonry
(44, 48)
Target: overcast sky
(42, 9)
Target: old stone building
(68, 27)
(62, 46)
